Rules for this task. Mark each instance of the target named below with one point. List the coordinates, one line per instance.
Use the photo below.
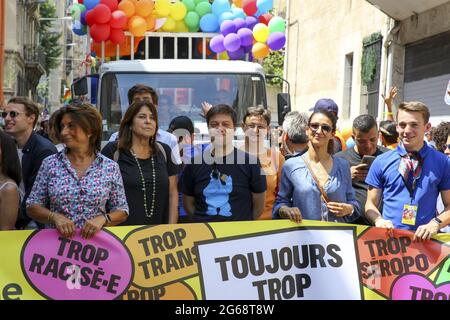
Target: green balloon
(192, 19)
(203, 8)
(194, 29)
(277, 24)
(198, 1)
(189, 4)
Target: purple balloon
(83, 18)
(276, 41)
(246, 36)
(236, 55)
(227, 27)
(216, 44)
(232, 42)
(239, 23)
(251, 22)
(247, 49)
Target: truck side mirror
(80, 87)
(284, 106)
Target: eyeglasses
(325, 128)
(12, 114)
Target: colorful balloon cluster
(246, 26)
(253, 35)
(109, 19)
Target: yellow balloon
(180, 26)
(260, 50)
(170, 25)
(178, 11)
(224, 56)
(238, 3)
(162, 8)
(261, 32)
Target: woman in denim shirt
(299, 196)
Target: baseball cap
(325, 104)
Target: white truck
(181, 84)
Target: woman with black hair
(10, 177)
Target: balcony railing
(34, 57)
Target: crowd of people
(395, 174)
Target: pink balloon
(119, 20)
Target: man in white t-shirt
(141, 92)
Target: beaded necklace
(144, 189)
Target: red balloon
(80, 1)
(265, 18)
(90, 18)
(117, 36)
(250, 7)
(112, 4)
(102, 13)
(100, 32)
(118, 20)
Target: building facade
(24, 61)
(325, 48)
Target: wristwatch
(437, 220)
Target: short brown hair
(142, 88)
(125, 134)
(221, 109)
(258, 112)
(415, 106)
(87, 118)
(31, 108)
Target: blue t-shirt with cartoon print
(223, 188)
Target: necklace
(144, 189)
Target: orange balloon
(110, 48)
(144, 8)
(137, 26)
(260, 50)
(200, 48)
(151, 23)
(128, 7)
(238, 3)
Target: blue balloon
(226, 16)
(264, 6)
(79, 29)
(350, 143)
(209, 23)
(90, 4)
(220, 6)
(238, 13)
(83, 18)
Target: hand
(205, 108)
(359, 172)
(292, 214)
(426, 231)
(390, 98)
(386, 224)
(340, 209)
(64, 225)
(91, 227)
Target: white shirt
(164, 137)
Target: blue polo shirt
(435, 177)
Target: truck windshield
(180, 94)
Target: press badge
(409, 214)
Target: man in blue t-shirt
(223, 183)
(409, 179)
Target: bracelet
(50, 216)
(389, 113)
(107, 218)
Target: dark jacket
(34, 152)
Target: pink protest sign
(77, 269)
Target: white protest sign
(304, 263)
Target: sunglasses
(325, 128)
(12, 114)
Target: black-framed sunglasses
(12, 114)
(315, 127)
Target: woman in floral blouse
(78, 187)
